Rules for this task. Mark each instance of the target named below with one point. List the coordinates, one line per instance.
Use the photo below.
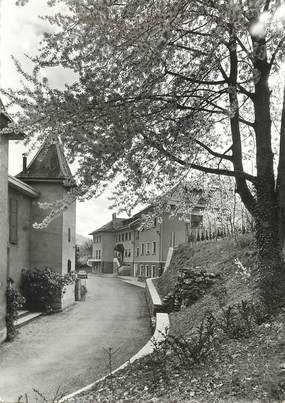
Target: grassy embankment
(243, 368)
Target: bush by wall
(43, 289)
(15, 302)
(191, 284)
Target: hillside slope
(222, 348)
(223, 257)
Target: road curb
(153, 299)
(132, 282)
(160, 334)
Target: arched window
(68, 266)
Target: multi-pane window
(141, 269)
(13, 221)
(147, 271)
(137, 251)
(148, 248)
(153, 270)
(154, 248)
(142, 249)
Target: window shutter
(13, 221)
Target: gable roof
(109, 227)
(121, 223)
(49, 164)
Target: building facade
(122, 247)
(4, 215)
(46, 179)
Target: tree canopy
(163, 88)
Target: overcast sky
(21, 30)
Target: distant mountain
(81, 239)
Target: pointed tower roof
(49, 164)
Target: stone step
(22, 313)
(26, 318)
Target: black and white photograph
(142, 201)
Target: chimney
(114, 221)
(24, 163)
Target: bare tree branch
(278, 47)
(180, 161)
(193, 80)
(214, 153)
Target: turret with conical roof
(49, 174)
(48, 165)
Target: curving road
(66, 350)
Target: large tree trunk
(266, 211)
(280, 184)
(270, 262)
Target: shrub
(198, 346)
(191, 285)
(243, 241)
(240, 320)
(235, 322)
(43, 289)
(15, 301)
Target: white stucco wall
(68, 248)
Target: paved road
(66, 350)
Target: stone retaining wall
(153, 299)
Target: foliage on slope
(233, 259)
(206, 361)
(215, 257)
